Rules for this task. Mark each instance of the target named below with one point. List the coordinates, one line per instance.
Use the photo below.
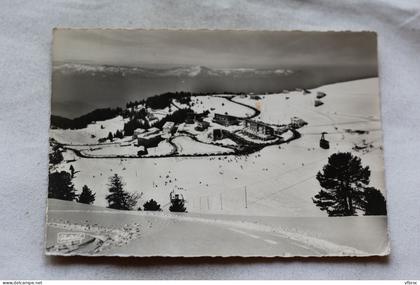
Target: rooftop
(168, 124)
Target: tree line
(159, 101)
(61, 187)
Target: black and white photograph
(189, 143)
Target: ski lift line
(354, 116)
(274, 178)
(298, 168)
(267, 196)
(326, 116)
(282, 189)
(321, 114)
(340, 133)
(272, 182)
(334, 123)
(338, 124)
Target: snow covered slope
(113, 232)
(276, 181)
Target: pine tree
(151, 205)
(56, 156)
(118, 198)
(110, 137)
(119, 134)
(60, 186)
(375, 203)
(87, 196)
(72, 171)
(343, 180)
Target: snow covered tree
(132, 200)
(118, 198)
(151, 205)
(60, 186)
(87, 196)
(343, 181)
(374, 202)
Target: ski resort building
(225, 120)
(259, 129)
(138, 132)
(151, 138)
(281, 129)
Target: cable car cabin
(176, 197)
(323, 143)
(177, 203)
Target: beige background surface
(25, 38)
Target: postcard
(215, 143)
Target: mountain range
(81, 88)
(180, 71)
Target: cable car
(177, 202)
(176, 197)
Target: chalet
(225, 120)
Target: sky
(214, 49)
